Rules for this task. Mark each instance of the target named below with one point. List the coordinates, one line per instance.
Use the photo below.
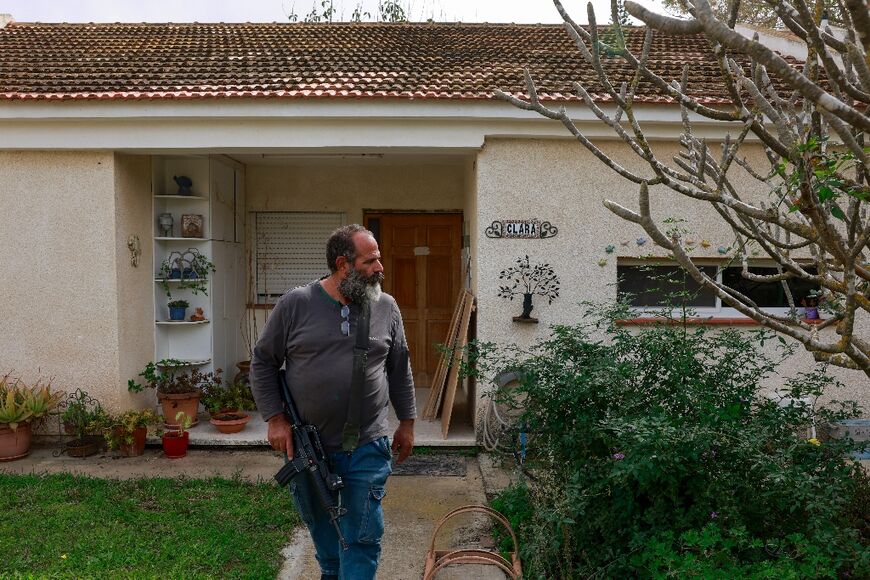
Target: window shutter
(291, 249)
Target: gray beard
(358, 288)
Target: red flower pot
(175, 445)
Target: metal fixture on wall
(135, 250)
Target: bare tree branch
(811, 120)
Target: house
(286, 131)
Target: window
(653, 286)
(290, 250)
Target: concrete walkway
(412, 507)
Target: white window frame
(292, 218)
(720, 310)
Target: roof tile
(283, 60)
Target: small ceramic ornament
(640, 241)
(690, 241)
(602, 262)
(722, 250)
(705, 243)
(610, 249)
(625, 243)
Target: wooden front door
(421, 254)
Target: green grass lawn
(81, 527)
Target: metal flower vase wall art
(526, 279)
(190, 268)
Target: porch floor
(426, 433)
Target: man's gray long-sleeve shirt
(305, 329)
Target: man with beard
(313, 330)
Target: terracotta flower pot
(230, 422)
(173, 403)
(243, 376)
(14, 443)
(138, 446)
(175, 446)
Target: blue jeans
(365, 472)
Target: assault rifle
(310, 458)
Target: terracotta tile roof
(428, 61)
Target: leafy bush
(653, 453)
(82, 414)
(119, 429)
(217, 397)
(169, 376)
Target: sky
(525, 11)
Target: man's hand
(281, 435)
(403, 439)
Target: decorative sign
(524, 229)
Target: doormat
(432, 465)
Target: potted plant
(178, 309)
(79, 416)
(177, 389)
(127, 432)
(20, 407)
(190, 268)
(175, 442)
(227, 404)
(527, 280)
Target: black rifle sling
(350, 433)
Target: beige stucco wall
(560, 182)
(471, 222)
(352, 187)
(59, 270)
(135, 297)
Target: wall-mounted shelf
(525, 320)
(217, 198)
(177, 280)
(189, 362)
(197, 197)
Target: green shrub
(654, 454)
